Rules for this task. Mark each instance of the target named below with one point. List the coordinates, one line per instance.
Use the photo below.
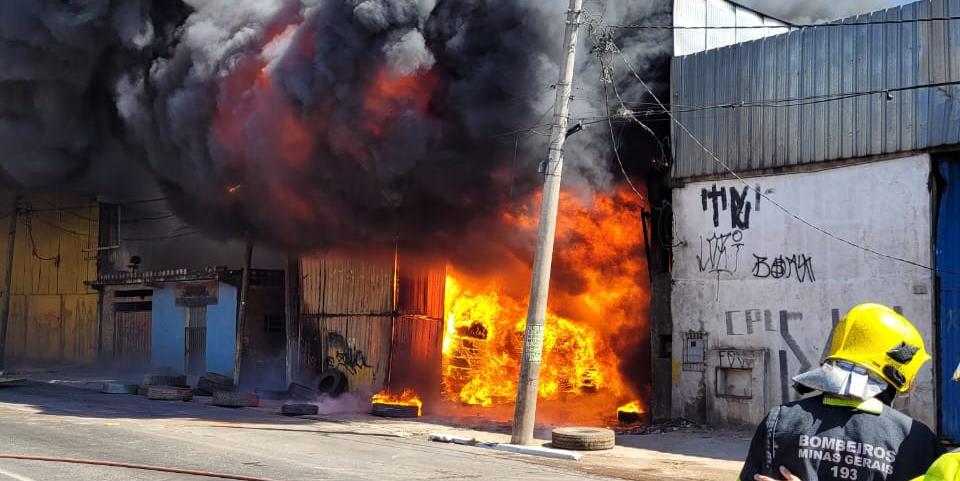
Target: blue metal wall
(222, 331)
(168, 333)
(167, 349)
(948, 258)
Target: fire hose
(146, 467)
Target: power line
(787, 26)
(164, 237)
(776, 204)
(35, 251)
(95, 204)
(141, 219)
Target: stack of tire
(211, 383)
(162, 380)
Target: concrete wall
(168, 348)
(757, 292)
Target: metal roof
(825, 69)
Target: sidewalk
(688, 454)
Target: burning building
(454, 332)
(343, 132)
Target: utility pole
(291, 286)
(242, 311)
(525, 413)
(7, 279)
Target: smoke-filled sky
(304, 123)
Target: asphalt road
(50, 420)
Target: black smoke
(254, 117)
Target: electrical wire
(142, 219)
(164, 237)
(616, 149)
(776, 204)
(132, 202)
(839, 23)
(35, 251)
(28, 214)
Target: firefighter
(848, 431)
(947, 468)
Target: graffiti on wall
(750, 322)
(715, 201)
(341, 355)
(798, 267)
(720, 253)
(720, 250)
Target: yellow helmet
(882, 341)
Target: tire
(298, 409)
(332, 382)
(208, 386)
(394, 410)
(169, 393)
(583, 439)
(177, 380)
(301, 392)
(235, 400)
(119, 388)
(218, 378)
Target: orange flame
(406, 398)
(632, 407)
(599, 246)
(390, 95)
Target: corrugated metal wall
(341, 285)
(712, 13)
(53, 314)
(815, 64)
(948, 259)
(366, 314)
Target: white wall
(756, 316)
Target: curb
(539, 451)
(509, 448)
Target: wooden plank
(43, 328)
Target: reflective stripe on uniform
(872, 405)
(946, 468)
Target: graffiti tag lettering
(798, 267)
(715, 199)
(344, 356)
(735, 359)
(720, 253)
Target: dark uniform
(826, 438)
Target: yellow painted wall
(53, 314)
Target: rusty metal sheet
(420, 288)
(359, 346)
(79, 319)
(132, 340)
(337, 284)
(415, 356)
(17, 329)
